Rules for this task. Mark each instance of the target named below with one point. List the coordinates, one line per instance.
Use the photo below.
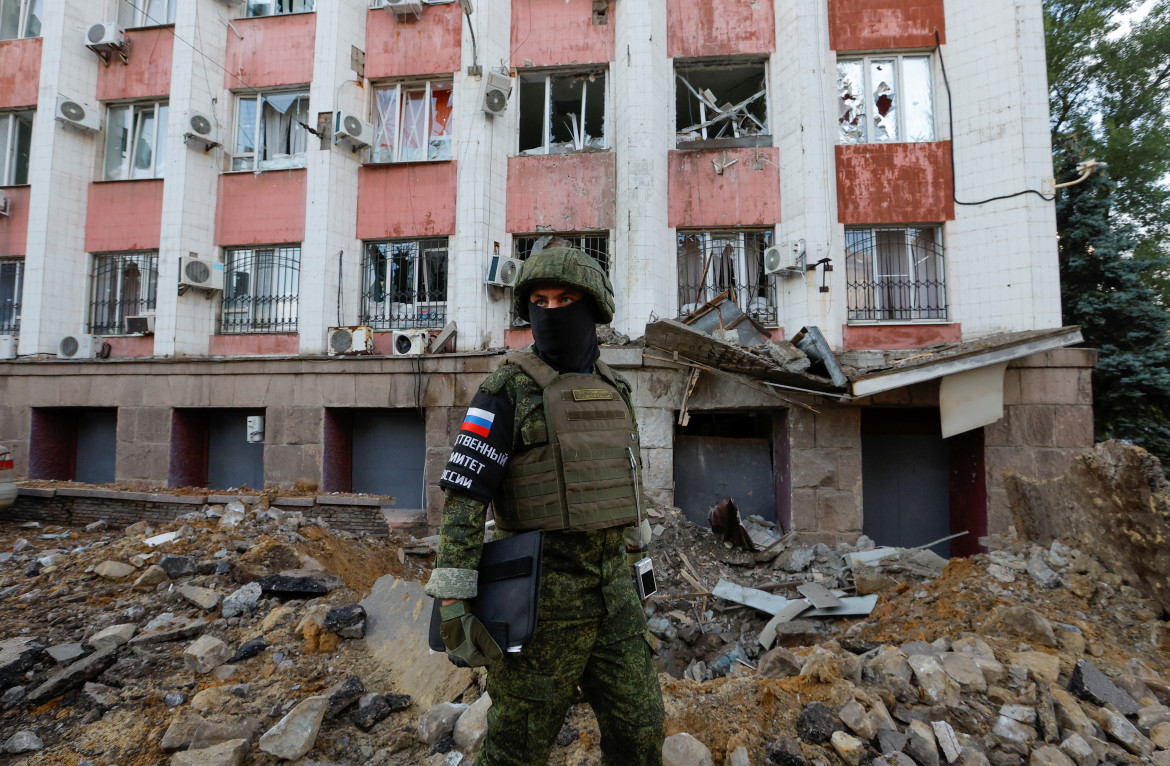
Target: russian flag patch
(478, 421)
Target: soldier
(555, 416)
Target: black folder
(509, 591)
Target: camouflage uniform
(591, 630)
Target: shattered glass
(721, 101)
(562, 113)
(883, 84)
(851, 101)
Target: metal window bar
(261, 290)
(11, 289)
(123, 284)
(404, 284)
(596, 247)
(895, 274)
(713, 262)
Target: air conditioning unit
(196, 272)
(8, 346)
(5, 203)
(79, 346)
(200, 131)
(503, 271)
(497, 87)
(404, 7)
(344, 341)
(105, 36)
(78, 114)
(351, 129)
(410, 342)
(785, 259)
(142, 324)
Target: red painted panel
(147, 71)
(562, 192)
(518, 338)
(397, 47)
(14, 227)
(286, 344)
(746, 194)
(131, 346)
(870, 25)
(274, 51)
(885, 337)
(406, 200)
(20, 61)
(123, 215)
(560, 32)
(261, 208)
(719, 28)
(895, 183)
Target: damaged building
(263, 244)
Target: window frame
(250, 4)
(682, 85)
(713, 286)
(259, 135)
(446, 138)
(882, 286)
(425, 310)
(104, 276)
(137, 112)
(11, 272)
(575, 146)
(28, 9)
(10, 147)
(278, 309)
(139, 13)
(867, 61)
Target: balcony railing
(404, 284)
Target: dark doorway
(905, 466)
(74, 444)
(210, 448)
(718, 455)
(378, 452)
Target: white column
(482, 145)
(184, 324)
(331, 195)
(63, 160)
(645, 271)
(802, 117)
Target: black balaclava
(566, 337)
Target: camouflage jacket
(584, 573)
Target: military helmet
(564, 266)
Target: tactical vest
(584, 478)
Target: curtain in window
(282, 138)
(690, 272)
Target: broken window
(895, 274)
(15, 147)
(885, 99)
(11, 289)
(271, 131)
(723, 101)
(562, 112)
(404, 284)
(146, 13)
(711, 263)
(124, 285)
(136, 141)
(412, 122)
(278, 7)
(261, 289)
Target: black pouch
(509, 591)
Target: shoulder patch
(494, 383)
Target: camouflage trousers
(531, 692)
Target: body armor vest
(585, 476)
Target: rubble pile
(245, 634)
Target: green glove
(468, 642)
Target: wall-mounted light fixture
(828, 266)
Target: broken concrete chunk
(1049, 755)
(850, 748)
(1091, 684)
(16, 656)
(23, 741)
(74, 675)
(965, 671)
(817, 722)
(115, 635)
(212, 733)
(1029, 624)
(439, 721)
(921, 744)
(113, 570)
(177, 566)
(149, 579)
(205, 654)
(937, 686)
(343, 694)
(370, 711)
(947, 741)
(281, 615)
(230, 753)
(242, 601)
(181, 731)
(1043, 667)
(65, 653)
(294, 735)
(204, 598)
(853, 714)
(174, 630)
(471, 727)
(351, 618)
(684, 750)
(1124, 733)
